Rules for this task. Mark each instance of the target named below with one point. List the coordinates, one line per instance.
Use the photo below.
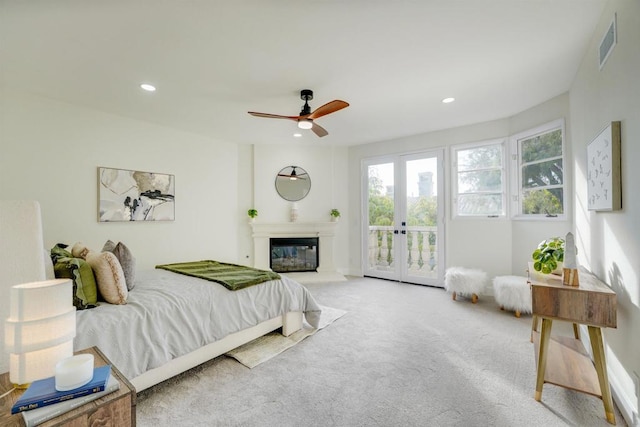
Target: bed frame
(24, 260)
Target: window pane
(542, 146)
(480, 204)
(480, 158)
(473, 182)
(381, 188)
(546, 201)
(542, 174)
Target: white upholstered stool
(512, 293)
(465, 281)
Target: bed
(171, 322)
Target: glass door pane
(381, 214)
(421, 248)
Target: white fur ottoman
(465, 281)
(513, 293)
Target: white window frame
(454, 179)
(516, 193)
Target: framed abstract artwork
(126, 195)
(603, 170)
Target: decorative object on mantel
(335, 214)
(549, 256)
(294, 212)
(252, 213)
(126, 195)
(603, 170)
(570, 270)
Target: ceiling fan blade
(328, 108)
(319, 130)
(293, 176)
(273, 116)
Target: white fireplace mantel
(325, 231)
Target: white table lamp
(40, 329)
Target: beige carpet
(268, 346)
(403, 355)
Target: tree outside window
(479, 179)
(540, 160)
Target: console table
(114, 409)
(564, 361)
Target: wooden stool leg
(453, 295)
(474, 298)
(518, 314)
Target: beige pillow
(79, 250)
(109, 276)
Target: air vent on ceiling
(608, 43)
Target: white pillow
(109, 276)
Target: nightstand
(114, 409)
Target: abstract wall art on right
(603, 170)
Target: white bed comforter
(168, 315)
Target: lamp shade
(40, 329)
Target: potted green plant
(253, 213)
(335, 214)
(549, 255)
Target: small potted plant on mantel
(335, 214)
(548, 257)
(253, 213)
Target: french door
(403, 224)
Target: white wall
(526, 235)
(50, 152)
(327, 169)
(609, 242)
(498, 246)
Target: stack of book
(42, 402)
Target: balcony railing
(422, 256)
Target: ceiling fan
(293, 175)
(306, 118)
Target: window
(538, 167)
(479, 179)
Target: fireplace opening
(289, 254)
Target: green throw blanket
(231, 276)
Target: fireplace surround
(323, 231)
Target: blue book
(43, 392)
(45, 413)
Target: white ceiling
(212, 61)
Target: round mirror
(293, 183)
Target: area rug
(270, 345)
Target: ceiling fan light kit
(306, 118)
(305, 124)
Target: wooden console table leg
(534, 326)
(545, 334)
(576, 331)
(597, 346)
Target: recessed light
(448, 100)
(297, 135)
(148, 87)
